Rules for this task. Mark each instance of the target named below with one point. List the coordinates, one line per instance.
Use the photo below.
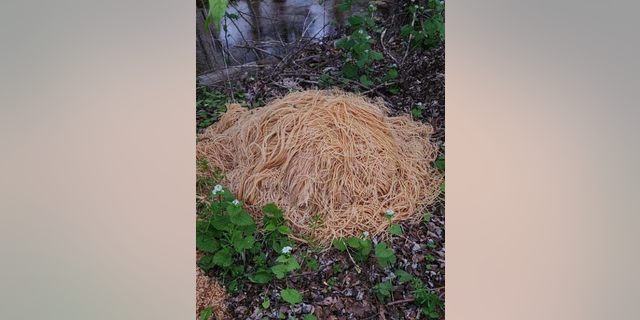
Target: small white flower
(368, 37)
(366, 233)
(360, 31)
(217, 188)
(235, 202)
(390, 212)
(286, 249)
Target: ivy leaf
(291, 295)
(395, 229)
(365, 81)
(217, 9)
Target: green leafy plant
(359, 54)
(418, 110)
(429, 31)
(383, 290)
(292, 296)
(225, 233)
(312, 264)
(428, 302)
(310, 317)
(385, 255)
(361, 247)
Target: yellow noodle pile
(327, 153)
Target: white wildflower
(217, 189)
(360, 31)
(366, 233)
(390, 213)
(235, 202)
(286, 249)
(368, 37)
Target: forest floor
(337, 289)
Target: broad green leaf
(376, 55)
(221, 222)
(416, 112)
(292, 264)
(350, 70)
(261, 277)
(206, 313)
(284, 230)
(242, 219)
(382, 251)
(233, 210)
(279, 270)
(355, 20)
(403, 276)
(354, 242)
(217, 9)
(339, 244)
(395, 229)
(270, 227)
(312, 264)
(393, 73)
(365, 81)
(310, 317)
(222, 258)
(291, 295)
(406, 30)
(244, 243)
(207, 243)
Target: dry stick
(413, 21)
(256, 48)
(385, 48)
(258, 56)
(400, 302)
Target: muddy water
(270, 26)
